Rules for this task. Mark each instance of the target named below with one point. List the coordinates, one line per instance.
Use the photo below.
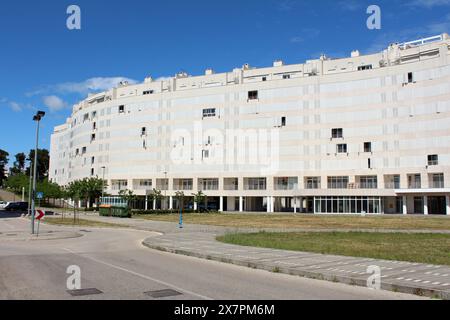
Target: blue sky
(46, 66)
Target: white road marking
(141, 275)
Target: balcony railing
(392, 185)
(255, 187)
(209, 188)
(312, 185)
(415, 185)
(437, 185)
(285, 186)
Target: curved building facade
(363, 134)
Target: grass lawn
(308, 221)
(422, 248)
(82, 223)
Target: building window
(286, 76)
(94, 126)
(205, 154)
(255, 184)
(368, 182)
(313, 183)
(209, 113)
(341, 148)
(143, 131)
(433, 160)
(121, 109)
(93, 137)
(77, 152)
(283, 121)
(338, 182)
(92, 160)
(145, 183)
(253, 95)
(148, 92)
(410, 77)
(94, 114)
(86, 117)
(84, 150)
(337, 133)
(264, 78)
(92, 172)
(367, 146)
(437, 181)
(366, 67)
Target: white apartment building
(363, 134)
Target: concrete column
(405, 205)
(195, 206)
(170, 203)
(154, 204)
(295, 204)
(269, 206)
(195, 186)
(447, 200)
(221, 205)
(241, 204)
(425, 205)
(314, 205)
(272, 204)
(146, 203)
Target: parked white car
(3, 204)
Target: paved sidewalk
(200, 241)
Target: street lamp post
(29, 188)
(103, 183)
(165, 190)
(38, 117)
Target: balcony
(392, 185)
(208, 184)
(286, 183)
(254, 184)
(231, 184)
(183, 184)
(415, 185)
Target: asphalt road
(115, 262)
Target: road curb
(436, 294)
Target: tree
(19, 164)
(16, 182)
(157, 195)
(43, 162)
(50, 190)
(127, 195)
(3, 163)
(179, 195)
(199, 197)
(88, 189)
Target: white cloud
(97, 84)
(16, 107)
(428, 3)
(306, 34)
(54, 103)
(350, 5)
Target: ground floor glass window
(369, 205)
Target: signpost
(39, 215)
(39, 196)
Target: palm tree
(179, 195)
(157, 195)
(199, 197)
(128, 196)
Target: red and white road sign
(39, 214)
